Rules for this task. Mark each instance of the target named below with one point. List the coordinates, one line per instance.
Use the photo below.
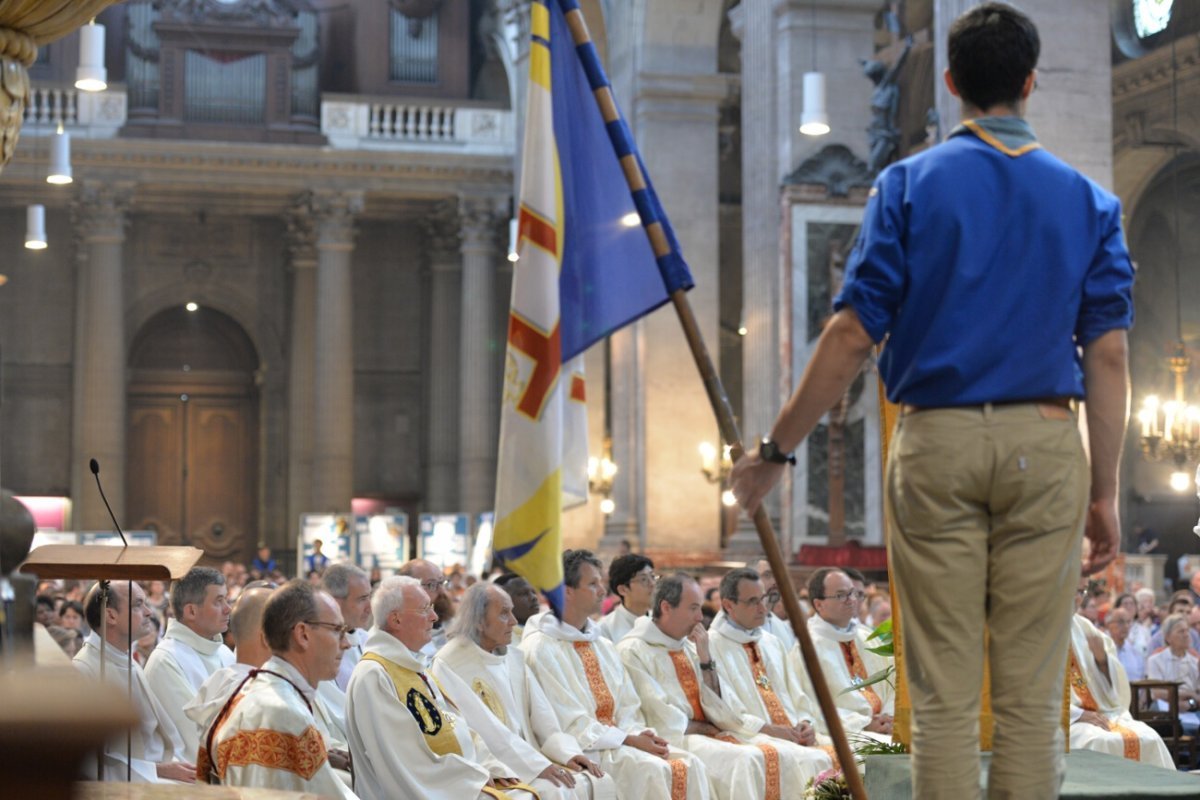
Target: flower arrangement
(829, 785)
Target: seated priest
(192, 648)
(252, 651)
(754, 666)
(406, 736)
(594, 698)
(667, 655)
(266, 735)
(525, 600)
(155, 750)
(776, 623)
(630, 577)
(846, 662)
(1100, 694)
(350, 586)
(519, 725)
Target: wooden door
(193, 469)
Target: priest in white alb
(406, 736)
(630, 577)
(593, 695)
(846, 660)
(155, 749)
(754, 666)
(667, 655)
(350, 586)
(520, 726)
(192, 648)
(1100, 694)
(776, 624)
(265, 736)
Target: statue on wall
(883, 132)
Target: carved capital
(101, 211)
(333, 215)
(835, 168)
(479, 219)
(301, 236)
(443, 235)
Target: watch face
(1151, 16)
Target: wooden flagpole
(728, 428)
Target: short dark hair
(91, 610)
(573, 560)
(290, 604)
(991, 50)
(854, 575)
(191, 588)
(508, 577)
(669, 589)
(816, 582)
(623, 568)
(729, 584)
(45, 600)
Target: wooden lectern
(47, 727)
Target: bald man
(433, 581)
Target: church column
(99, 420)
(478, 409)
(445, 279)
(302, 247)
(333, 406)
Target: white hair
(389, 597)
(1145, 591)
(472, 612)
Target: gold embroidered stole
(686, 675)
(488, 695)
(595, 678)
(1087, 701)
(763, 683)
(858, 671)
(416, 694)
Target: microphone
(94, 465)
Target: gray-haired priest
(518, 721)
(406, 738)
(668, 657)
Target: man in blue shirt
(999, 277)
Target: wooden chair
(1165, 723)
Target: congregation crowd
(427, 684)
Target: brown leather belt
(1062, 402)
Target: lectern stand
(101, 563)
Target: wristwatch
(708, 665)
(769, 451)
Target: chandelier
(1171, 430)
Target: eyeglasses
(340, 630)
(842, 597)
(772, 597)
(646, 579)
(433, 586)
(423, 610)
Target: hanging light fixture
(513, 255)
(60, 157)
(814, 120)
(1171, 429)
(35, 227)
(90, 75)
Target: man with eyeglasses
(433, 581)
(842, 646)
(408, 739)
(266, 735)
(776, 623)
(754, 664)
(631, 577)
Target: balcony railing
(348, 121)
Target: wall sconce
(716, 470)
(601, 472)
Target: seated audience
(1175, 663)
(1118, 625)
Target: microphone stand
(94, 465)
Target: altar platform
(1089, 775)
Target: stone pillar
(479, 412)
(445, 281)
(333, 405)
(302, 248)
(99, 419)
(626, 424)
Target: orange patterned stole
(859, 672)
(690, 684)
(595, 678)
(1079, 685)
(761, 682)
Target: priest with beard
(518, 722)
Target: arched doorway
(192, 471)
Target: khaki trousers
(987, 508)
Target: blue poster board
(135, 538)
(335, 532)
(445, 538)
(381, 541)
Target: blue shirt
(988, 263)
